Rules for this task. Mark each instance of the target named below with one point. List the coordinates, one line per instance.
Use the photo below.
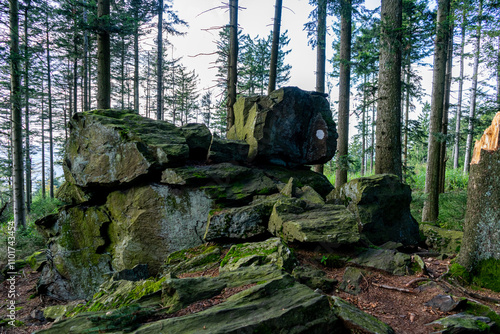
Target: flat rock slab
(357, 321)
(331, 224)
(391, 261)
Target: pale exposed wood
(489, 141)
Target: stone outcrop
(381, 204)
(289, 127)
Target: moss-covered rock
(109, 147)
(351, 280)
(391, 261)
(281, 305)
(314, 278)
(357, 321)
(288, 127)
(442, 240)
(465, 323)
(198, 138)
(271, 251)
(149, 222)
(331, 224)
(240, 223)
(77, 255)
(381, 203)
(72, 194)
(226, 150)
(194, 259)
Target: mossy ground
(485, 275)
(241, 250)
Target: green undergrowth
(485, 274)
(452, 206)
(240, 251)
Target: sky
(255, 17)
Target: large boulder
(288, 127)
(381, 204)
(140, 225)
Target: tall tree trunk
(388, 146)
(407, 114)
(472, 112)
(273, 69)
(136, 61)
(233, 61)
(159, 77)
(372, 152)
(446, 107)
(122, 74)
(27, 111)
(85, 63)
(363, 129)
(103, 57)
(75, 79)
(498, 74)
(456, 150)
(321, 57)
(16, 118)
(344, 91)
(51, 141)
(430, 211)
(43, 142)
(148, 103)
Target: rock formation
(144, 197)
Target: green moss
(460, 273)
(186, 254)
(482, 311)
(333, 261)
(486, 274)
(241, 250)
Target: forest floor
(395, 300)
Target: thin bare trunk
(472, 113)
(159, 78)
(43, 142)
(273, 69)
(136, 61)
(85, 64)
(233, 61)
(51, 141)
(103, 57)
(407, 114)
(456, 150)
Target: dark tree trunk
(27, 111)
(103, 57)
(273, 69)
(136, 61)
(159, 78)
(51, 139)
(446, 107)
(430, 211)
(388, 146)
(321, 57)
(233, 61)
(16, 118)
(85, 64)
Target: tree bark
(456, 150)
(321, 57)
(136, 60)
(43, 142)
(481, 239)
(159, 64)
(27, 111)
(273, 68)
(430, 211)
(51, 139)
(446, 108)
(344, 91)
(472, 112)
(16, 118)
(103, 57)
(85, 64)
(388, 146)
(233, 61)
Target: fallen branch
(418, 279)
(392, 288)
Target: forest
(62, 57)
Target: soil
(396, 300)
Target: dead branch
(392, 288)
(203, 54)
(418, 279)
